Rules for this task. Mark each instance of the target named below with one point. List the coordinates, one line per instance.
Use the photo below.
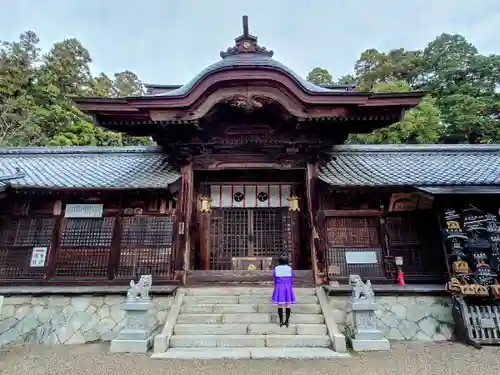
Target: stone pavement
(404, 359)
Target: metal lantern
(206, 204)
(294, 203)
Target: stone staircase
(240, 322)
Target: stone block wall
(422, 318)
(75, 319)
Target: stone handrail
(336, 337)
(162, 340)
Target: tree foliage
(462, 86)
(421, 124)
(462, 105)
(320, 76)
(36, 91)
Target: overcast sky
(169, 41)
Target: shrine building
(250, 164)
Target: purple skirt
(283, 294)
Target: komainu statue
(360, 290)
(141, 289)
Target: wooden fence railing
(112, 249)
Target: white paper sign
(83, 210)
(38, 257)
(361, 257)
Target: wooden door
(262, 233)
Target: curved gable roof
(248, 60)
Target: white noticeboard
(38, 257)
(361, 257)
(83, 210)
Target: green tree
(348, 79)
(127, 84)
(101, 86)
(17, 76)
(320, 76)
(36, 92)
(374, 67)
(464, 85)
(421, 124)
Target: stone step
(238, 291)
(242, 299)
(249, 353)
(244, 341)
(184, 318)
(241, 308)
(300, 308)
(249, 329)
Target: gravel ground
(404, 359)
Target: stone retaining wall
(423, 318)
(68, 319)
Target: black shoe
(287, 312)
(280, 316)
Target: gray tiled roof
(415, 165)
(88, 167)
(353, 165)
(248, 60)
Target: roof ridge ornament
(246, 43)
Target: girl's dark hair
(283, 260)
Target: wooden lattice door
(271, 232)
(247, 232)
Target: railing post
(114, 256)
(205, 223)
(55, 242)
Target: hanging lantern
(294, 203)
(206, 204)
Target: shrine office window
(146, 247)
(85, 248)
(18, 237)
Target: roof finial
(245, 27)
(246, 43)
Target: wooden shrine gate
(244, 238)
(250, 226)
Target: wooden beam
(55, 245)
(186, 207)
(311, 194)
(295, 240)
(205, 243)
(115, 253)
(346, 213)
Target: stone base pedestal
(131, 346)
(360, 345)
(135, 337)
(366, 335)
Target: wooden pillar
(311, 194)
(205, 223)
(116, 246)
(186, 207)
(295, 229)
(55, 242)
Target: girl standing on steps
(283, 294)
